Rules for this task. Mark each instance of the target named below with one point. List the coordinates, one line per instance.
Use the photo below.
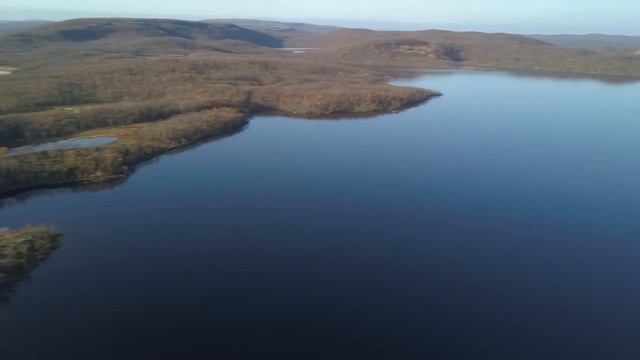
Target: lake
(499, 221)
(73, 143)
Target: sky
(519, 16)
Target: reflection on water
(496, 222)
(403, 73)
(297, 50)
(62, 144)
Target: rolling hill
(131, 35)
(288, 32)
(471, 49)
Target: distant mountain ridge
(11, 26)
(343, 37)
(8, 27)
(592, 41)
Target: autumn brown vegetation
(470, 50)
(168, 100)
(21, 250)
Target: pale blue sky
(528, 16)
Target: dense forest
(114, 161)
(165, 101)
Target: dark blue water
(500, 221)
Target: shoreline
(18, 191)
(237, 121)
(393, 72)
(13, 271)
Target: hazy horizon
(539, 17)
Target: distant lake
(500, 221)
(62, 144)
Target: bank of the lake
(64, 163)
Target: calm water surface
(497, 222)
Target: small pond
(62, 144)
